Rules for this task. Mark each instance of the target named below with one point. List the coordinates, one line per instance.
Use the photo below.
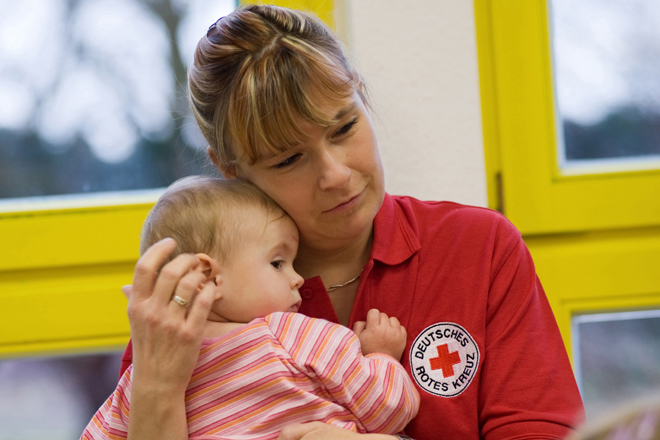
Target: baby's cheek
(265, 307)
(215, 308)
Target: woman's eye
(277, 264)
(346, 128)
(288, 161)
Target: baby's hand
(381, 334)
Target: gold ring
(180, 301)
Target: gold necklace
(338, 286)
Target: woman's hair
(256, 71)
(205, 214)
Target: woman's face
(331, 184)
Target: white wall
(419, 59)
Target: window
(617, 357)
(53, 398)
(520, 115)
(607, 94)
(93, 120)
(587, 207)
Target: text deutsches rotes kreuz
(444, 359)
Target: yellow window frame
(595, 238)
(60, 275)
(61, 269)
(517, 85)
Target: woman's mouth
(345, 206)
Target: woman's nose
(334, 174)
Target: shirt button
(307, 293)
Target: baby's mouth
(294, 308)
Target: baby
(262, 366)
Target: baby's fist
(381, 334)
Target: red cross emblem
(445, 360)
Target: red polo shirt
(483, 346)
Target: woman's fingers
(171, 275)
(299, 430)
(146, 269)
(167, 340)
(127, 290)
(323, 431)
(201, 306)
(185, 291)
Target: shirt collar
(395, 238)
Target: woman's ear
(228, 171)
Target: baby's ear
(210, 267)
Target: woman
(281, 106)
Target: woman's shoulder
(404, 225)
(432, 214)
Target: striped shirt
(282, 369)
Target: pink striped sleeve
(111, 420)
(375, 388)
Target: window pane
(616, 357)
(92, 94)
(54, 398)
(607, 59)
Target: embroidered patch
(444, 359)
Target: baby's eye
(277, 264)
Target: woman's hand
(322, 431)
(381, 334)
(166, 335)
(166, 339)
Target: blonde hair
(639, 420)
(205, 215)
(256, 71)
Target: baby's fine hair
(256, 71)
(205, 215)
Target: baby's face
(260, 278)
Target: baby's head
(246, 243)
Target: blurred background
(92, 101)
(92, 94)
(548, 111)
